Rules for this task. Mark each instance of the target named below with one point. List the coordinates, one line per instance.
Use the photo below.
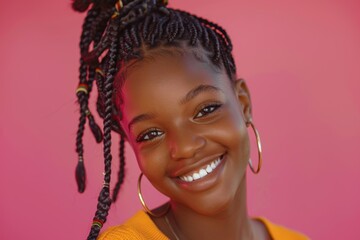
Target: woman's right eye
(149, 135)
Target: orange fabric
(141, 227)
(278, 232)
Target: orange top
(141, 227)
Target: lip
(205, 182)
(195, 167)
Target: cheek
(232, 127)
(154, 168)
(232, 133)
(152, 163)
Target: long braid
(135, 28)
(87, 76)
(104, 200)
(85, 41)
(98, 28)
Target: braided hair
(113, 33)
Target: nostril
(186, 146)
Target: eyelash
(214, 106)
(147, 133)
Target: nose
(185, 143)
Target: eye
(208, 109)
(149, 135)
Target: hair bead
(87, 112)
(106, 184)
(82, 87)
(118, 6)
(100, 72)
(115, 14)
(98, 222)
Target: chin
(220, 201)
(213, 207)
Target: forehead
(175, 61)
(179, 52)
(165, 77)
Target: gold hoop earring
(143, 202)
(258, 147)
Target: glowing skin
(188, 130)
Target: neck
(231, 222)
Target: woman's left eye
(207, 110)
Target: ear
(243, 95)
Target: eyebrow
(196, 91)
(139, 118)
(188, 97)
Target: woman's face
(186, 123)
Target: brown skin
(178, 137)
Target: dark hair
(112, 35)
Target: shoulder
(279, 232)
(138, 227)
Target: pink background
(301, 60)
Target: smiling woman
(197, 120)
(167, 84)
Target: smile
(203, 171)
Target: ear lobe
(243, 96)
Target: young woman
(167, 84)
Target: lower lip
(206, 182)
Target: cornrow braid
(121, 31)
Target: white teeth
(202, 172)
(196, 176)
(209, 169)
